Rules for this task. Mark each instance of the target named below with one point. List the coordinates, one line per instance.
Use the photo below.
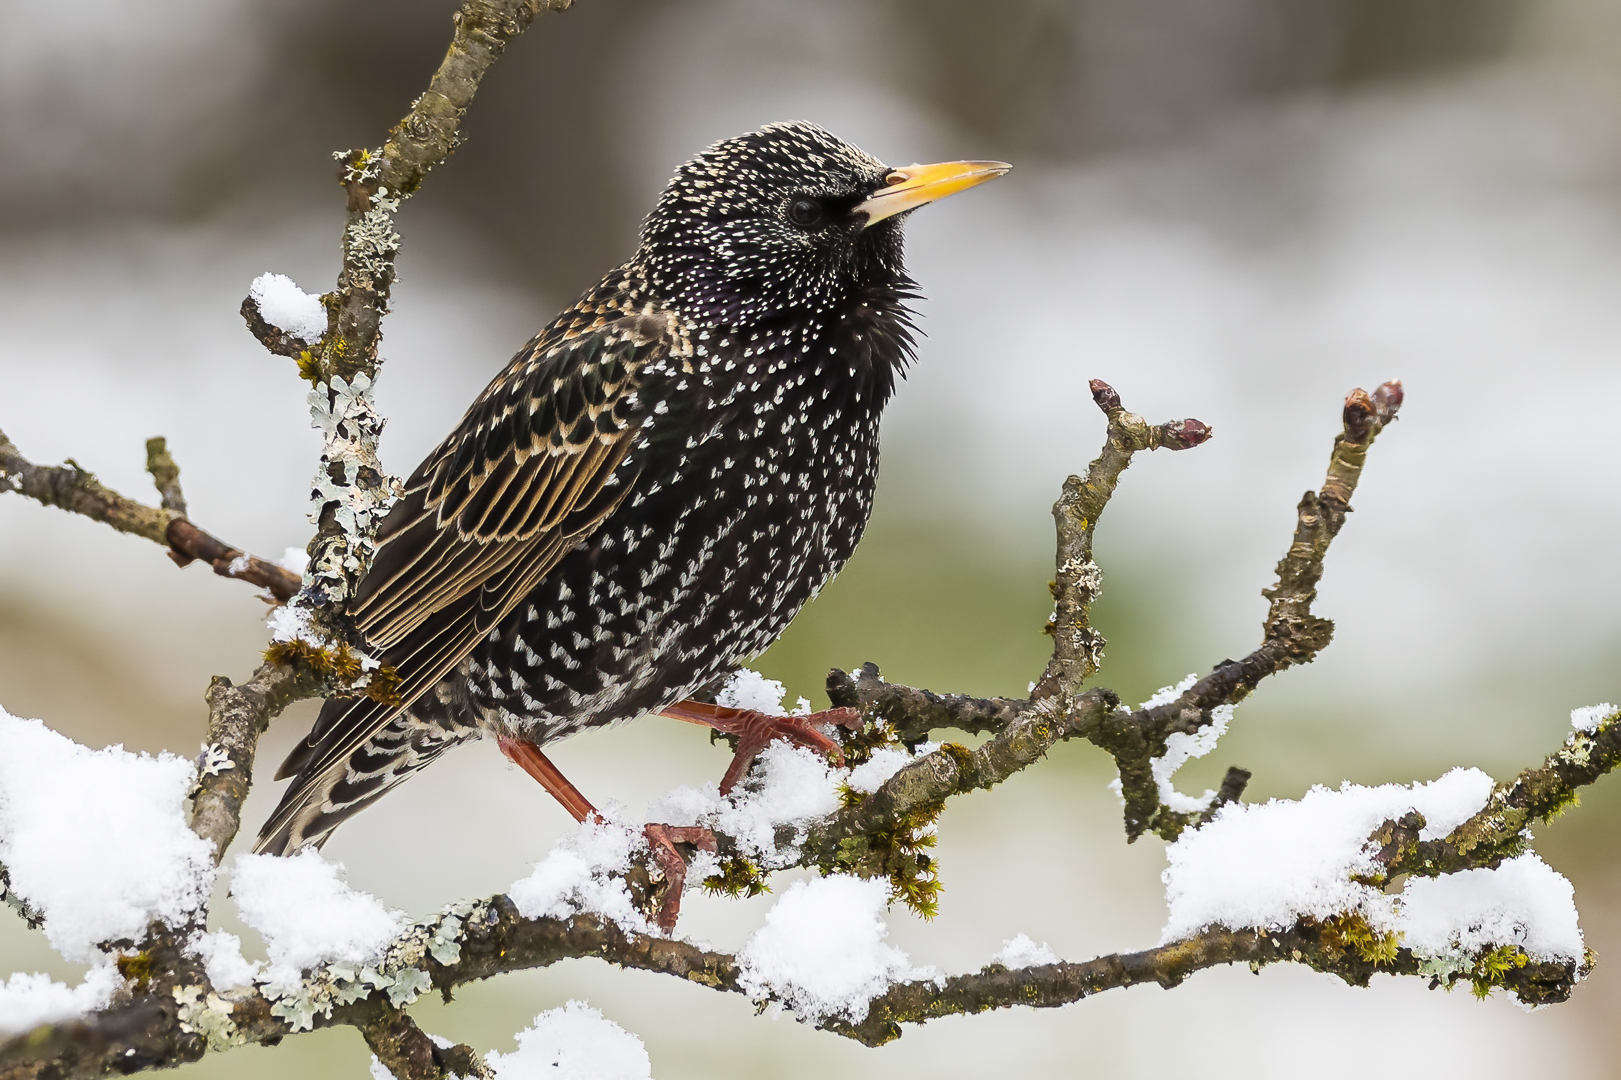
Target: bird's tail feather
(316, 805)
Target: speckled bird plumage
(648, 492)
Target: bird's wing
(532, 468)
(533, 457)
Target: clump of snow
(27, 1001)
(747, 689)
(97, 840)
(290, 309)
(885, 762)
(307, 915)
(1588, 717)
(1265, 865)
(575, 1042)
(821, 951)
(789, 787)
(1522, 902)
(1022, 952)
(584, 872)
(221, 952)
(291, 622)
(1167, 694)
(295, 559)
(1181, 747)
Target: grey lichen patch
(349, 484)
(399, 974)
(208, 1016)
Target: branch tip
(1107, 398)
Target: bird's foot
(661, 842)
(757, 730)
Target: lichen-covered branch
(174, 1015)
(1323, 947)
(352, 490)
(1500, 830)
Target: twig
(71, 488)
(187, 543)
(408, 1053)
(1077, 647)
(165, 475)
(1500, 830)
(354, 490)
(237, 716)
(912, 713)
(1291, 633)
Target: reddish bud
(1104, 394)
(1387, 399)
(1183, 434)
(1358, 415)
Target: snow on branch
(1310, 881)
(1305, 881)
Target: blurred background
(1233, 211)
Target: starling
(650, 490)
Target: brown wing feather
(484, 518)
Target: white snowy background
(1458, 229)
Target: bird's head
(787, 219)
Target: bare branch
(1292, 634)
(187, 543)
(71, 488)
(1077, 647)
(409, 1054)
(912, 713)
(165, 475)
(237, 716)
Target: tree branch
(237, 716)
(71, 488)
(1078, 582)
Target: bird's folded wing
(533, 468)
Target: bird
(649, 491)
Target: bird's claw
(661, 842)
(755, 731)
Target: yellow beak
(911, 187)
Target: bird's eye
(805, 213)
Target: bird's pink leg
(756, 730)
(661, 839)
